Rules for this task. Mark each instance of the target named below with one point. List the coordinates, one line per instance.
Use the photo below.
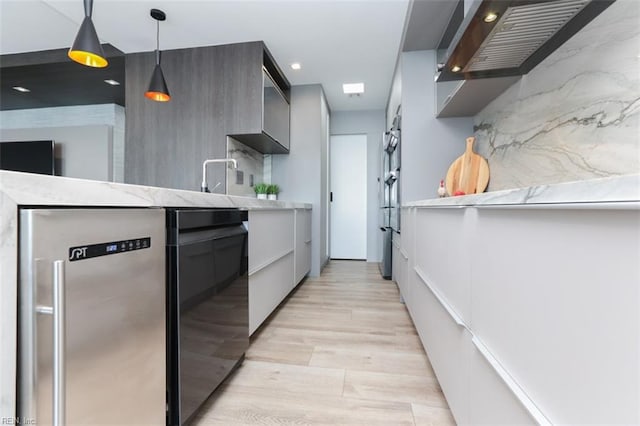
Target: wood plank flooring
(341, 350)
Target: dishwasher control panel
(102, 249)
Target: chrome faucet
(203, 185)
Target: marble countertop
(619, 189)
(32, 189)
(38, 190)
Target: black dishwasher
(207, 304)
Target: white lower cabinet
(267, 288)
(444, 246)
(537, 321)
(279, 257)
(271, 236)
(491, 400)
(400, 264)
(556, 298)
(303, 244)
(448, 345)
(475, 391)
(395, 262)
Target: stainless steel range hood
(524, 33)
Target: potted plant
(261, 190)
(272, 192)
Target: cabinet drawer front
(303, 261)
(407, 244)
(271, 234)
(443, 252)
(556, 297)
(448, 346)
(267, 288)
(490, 399)
(303, 226)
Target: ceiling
(336, 41)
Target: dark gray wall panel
(214, 91)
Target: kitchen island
(527, 301)
(290, 259)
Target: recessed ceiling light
(352, 88)
(21, 89)
(112, 82)
(490, 17)
(456, 68)
(296, 66)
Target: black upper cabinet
(264, 125)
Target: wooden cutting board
(468, 173)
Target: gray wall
(325, 180)
(250, 163)
(371, 123)
(84, 152)
(167, 142)
(576, 115)
(395, 95)
(81, 133)
(301, 174)
(429, 145)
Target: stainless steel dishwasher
(208, 312)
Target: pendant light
(158, 90)
(86, 48)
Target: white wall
(76, 116)
(301, 174)
(428, 144)
(371, 123)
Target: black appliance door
(385, 265)
(213, 311)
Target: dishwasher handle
(57, 311)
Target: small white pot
(272, 196)
(262, 196)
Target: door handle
(57, 311)
(331, 197)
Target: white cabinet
(447, 343)
(443, 241)
(267, 288)
(303, 244)
(279, 257)
(555, 297)
(491, 400)
(397, 264)
(401, 254)
(535, 308)
(271, 236)
(271, 246)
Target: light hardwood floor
(341, 350)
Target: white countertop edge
(32, 189)
(605, 190)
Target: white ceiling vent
(520, 32)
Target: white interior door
(349, 188)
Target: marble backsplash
(575, 116)
(250, 169)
